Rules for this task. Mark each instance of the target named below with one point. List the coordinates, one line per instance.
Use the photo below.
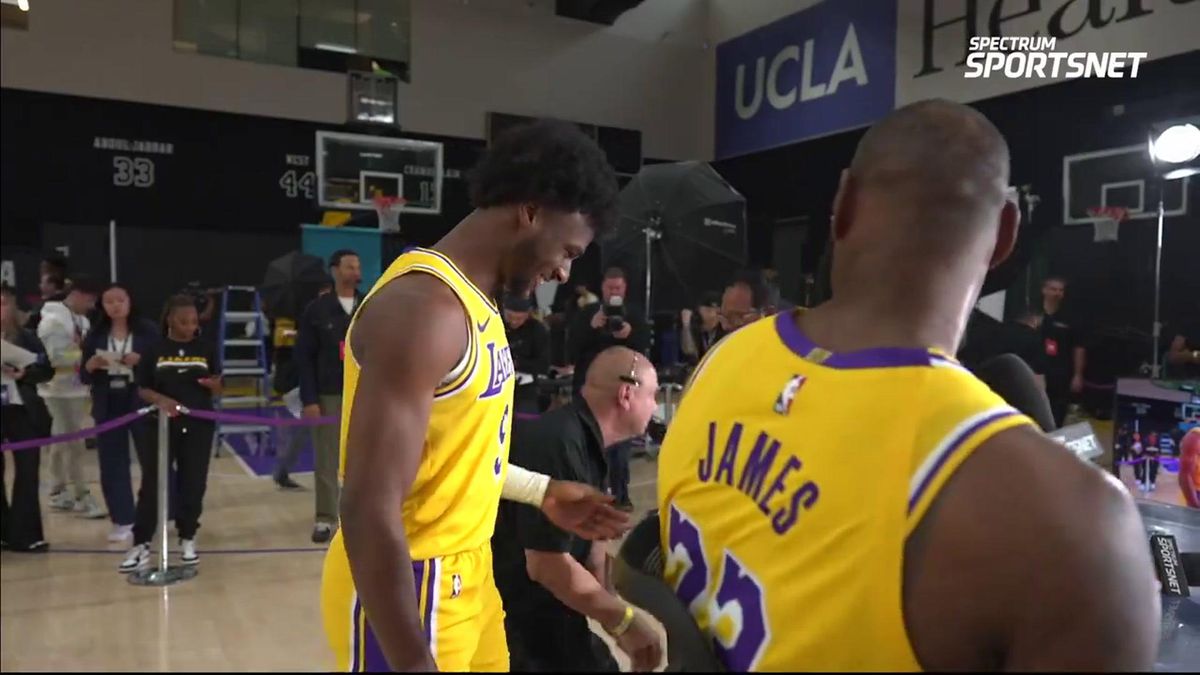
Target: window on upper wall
(337, 35)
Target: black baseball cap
(517, 303)
(710, 299)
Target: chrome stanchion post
(163, 574)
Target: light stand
(1158, 247)
(652, 233)
(163, 574)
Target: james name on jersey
(763, 463)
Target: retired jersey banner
(824, 69)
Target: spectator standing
(1063, 345)
(51, 288)
(22, 417)
(62, 328)
(180, 370)
(111, 353)
(529, 341)
(320, 349)
(701, 329)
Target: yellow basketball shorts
(460, 608)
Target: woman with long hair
(111, 352)
(23, 416)
(181, 370)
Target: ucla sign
(827, 68)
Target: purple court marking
(114, 423)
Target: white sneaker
(62, 501)
(137, 558)
(120, 533)
(189, 555)
(89, 508)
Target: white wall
(648, 72)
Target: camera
(614, 311)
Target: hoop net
(1107, 221)
(389, 209)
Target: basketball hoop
(1106, 221)
(389, 209)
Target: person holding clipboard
(111, 351)
(23, 416)
(181, 370)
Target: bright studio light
(1176, 144)
(23, 5)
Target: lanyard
(121, 347)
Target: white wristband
(524, 486)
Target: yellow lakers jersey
(452, 504)
(788, 482)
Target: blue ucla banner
(824, 69)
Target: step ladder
(242, 334)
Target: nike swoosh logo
(483, 326)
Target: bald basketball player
(407, 583)
(838, 493)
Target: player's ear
(843, 206)
(1006, 233)
(527, 214)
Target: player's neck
(471, 245)
(915, 315)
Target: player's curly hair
(550, 163)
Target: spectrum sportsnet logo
(1023, 58)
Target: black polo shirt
(565, 444)
(1061, 334)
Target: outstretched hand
(584, 510)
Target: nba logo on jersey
(783, 404)
(455, 586)
(501, 369)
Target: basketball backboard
(1121, 177)
(354, 168)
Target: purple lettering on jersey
(706, 464)
(758, 465)
(806, 495)
(729, 458)
(792, 465)
(685, 549)
(750, 631)
(500, 369)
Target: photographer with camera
(612, 322)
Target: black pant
(1142, 466)
(555, 641)
(20, 521)
(1060, 400)
(191, 449)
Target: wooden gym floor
(254, 605)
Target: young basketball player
(408, 583)
(837, 493)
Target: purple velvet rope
(1168, 463)
(114, 423)
(214, 416)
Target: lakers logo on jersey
(501, 369)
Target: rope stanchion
(239, 418)
(164, 574)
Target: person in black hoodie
(22, 417)
(320, 345)
(118, 331)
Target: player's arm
(575, 507)
(405, 340)
(1011, 570)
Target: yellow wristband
(626, 621)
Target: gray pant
(66, 459)
(325, 461)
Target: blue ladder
(244, 356)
